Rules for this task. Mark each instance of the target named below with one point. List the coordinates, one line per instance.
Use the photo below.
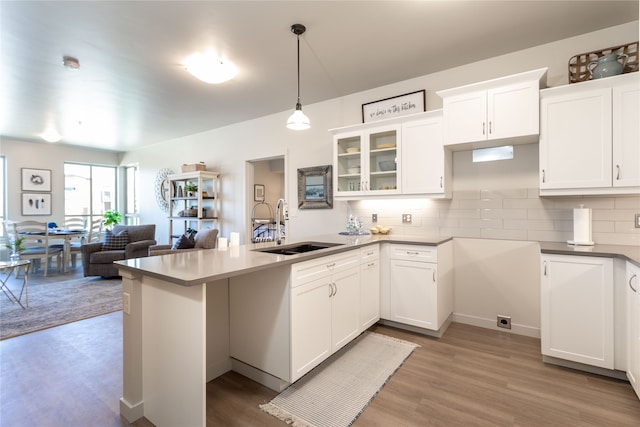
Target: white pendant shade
(210, 69)
(298, 121)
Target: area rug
(336, 392)
(56, 303)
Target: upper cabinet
(399, 156)
(494, 112)
(590, 137)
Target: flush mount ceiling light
(51, 135)
(298, 121)
(210, 68)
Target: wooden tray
(578, 71)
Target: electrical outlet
(637, 223)
(504, 322)
(126, 303)
(374, 218)
(406, 218)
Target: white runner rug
(336, 392)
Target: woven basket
(578, 71)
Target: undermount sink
(297, 248)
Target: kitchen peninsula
(180, 311)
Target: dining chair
(73, 223)
(36, 243)
(95, 230)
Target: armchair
(204, 239)
(98, 257)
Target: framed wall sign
(258, 193)
(36, 204)
(315, 188)
(401, 105)
(36, 179)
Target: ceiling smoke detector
(70, 62)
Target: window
(89, 190)
(131, 209)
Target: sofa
(204, 239)
(120, 243)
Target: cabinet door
(577, 309)
(383, 166)
(413, 293)
(465, 117)
(369, 293)
(423, 157)
(345, 304)
(513, 110)
(310, 325)
(349, 165)
(575, 139)
(626, 135)
(633, 326)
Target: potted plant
(191, 189)
(16, 247)
(111, 218)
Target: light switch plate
(406, 218)
(374, 218)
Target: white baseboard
(261, 377)
(518, 329)
(131, 412)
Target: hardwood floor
(71, 376)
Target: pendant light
(298, 121)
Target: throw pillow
(115, 242)
(186, 241)
(206, 238)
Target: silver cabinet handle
(330, 290)
(630, 285)
(544, 177)
(618, 174)
(440, 182)
(434, 276)
(545, 268)
(371, 264)
(490, 131)
(333, 264)
(483, 128)
(335, 289)
(413, 253)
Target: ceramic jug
(606, 66)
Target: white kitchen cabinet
(197, 210)
(633, 326)
(420, 294)
(577, 316)
(589, 137)
(325, 300)
(481, 114)
(369, 286)
(366, 161)
(426, 165)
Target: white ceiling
(132, 90)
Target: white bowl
(353, 150)
(353, 169)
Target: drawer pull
(413, 253)
(333, 264)
(371, 264)
(630, 285)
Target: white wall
(21, 154)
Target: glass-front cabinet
(367, 161)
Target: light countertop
(196, 267)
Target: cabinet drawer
(306, 271)
(369, 253)
(414, 253)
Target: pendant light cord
(298, 103)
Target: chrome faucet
(282, 204)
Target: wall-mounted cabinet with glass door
(367, 161)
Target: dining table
(67, 235)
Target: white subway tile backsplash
(510, 214)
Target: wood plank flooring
(71, 376)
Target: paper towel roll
(234, 239)
(581, 226)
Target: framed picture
(401, 105)
(258, 193)
(315, 188)
(36, 179)
(36, 204)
